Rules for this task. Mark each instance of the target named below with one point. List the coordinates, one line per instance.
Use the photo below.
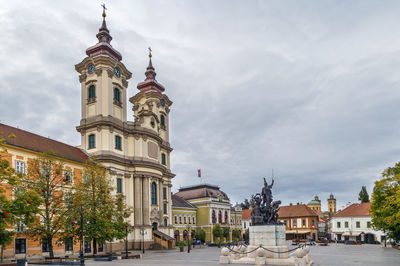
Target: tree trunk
(2, 249)
(94, 246)
(50, 241)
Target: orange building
(301, 222)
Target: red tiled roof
(295, 211)
(355, 209)
(30, 141)
(246, 214)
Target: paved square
(331, 255)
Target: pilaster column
(138, 201)
(146, 201)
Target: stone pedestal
(267, 235)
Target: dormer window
(91, 94)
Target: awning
(352, 233)
(297, 231)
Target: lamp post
(82, 259)
(188, 236)
(126, 241)
(143, 232)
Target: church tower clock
(136, 153)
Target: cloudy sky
(307, 88)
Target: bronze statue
(265, 210)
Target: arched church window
(118, 145)
(92, 141)
(91, 92)
(154, 193)
(162, 120)
(117, 95)
(163, 159)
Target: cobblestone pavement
(333, 255)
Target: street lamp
(143, 232)
(188, 235)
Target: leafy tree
(47, 180)
(385, 207)
(217, 232)
(236, 235)
(200, 235)
(225, 233)
(104, 214)
(246, 204)
(363, 195)
(19, 209)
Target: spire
(150, 82)
(103, 47)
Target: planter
(181, 249)
(219, 245)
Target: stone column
(138, 201)
(146, 202)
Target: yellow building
(331, 205)
(210, 206)
(315, 204)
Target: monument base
(267, 246)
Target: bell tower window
(153, 193)
(163, 159)
(117, 95)
(92, 141)
(91, 93)
(162, 120)
(118, 143)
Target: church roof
(34, 142)
(180, 202)
(201, 191)
(355, 209)
(103, 47)
(150, 83)
(316, 202)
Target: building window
(330, 209)
(219, 217)
(20, 246)
(303, 222)
(162, 121)
(358, 224)
(117, 95)
(185, 234)
(180, 219)
(165, 222)
(226, 217)
(92, 141)
(338, 224)
(100, 247)
(45, 245)
(119, 185)
(163, 159)
(118, 145)
(346, 224)
(294, 223)
(213, 218)
(68, 198)
(87, 246)
(67, 176)
(20, 227)
(194, 220)
(164, 193)
(184, 220)
(312, 222)
(368, 224)
(69, 244)
(189, 220)
(20, 167)
(176, 219)
(91, 93)
(154, 193)
(165, 208)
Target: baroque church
(137, 153)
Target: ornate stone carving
(98, 128)
(98, 71)
(135, 106)
(111, 129)
(110, 73)
(82, 78)
(127, 175)
(125, 83)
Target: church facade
(137, 153)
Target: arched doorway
(185, 235)
(176, 236)
(155, 226)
